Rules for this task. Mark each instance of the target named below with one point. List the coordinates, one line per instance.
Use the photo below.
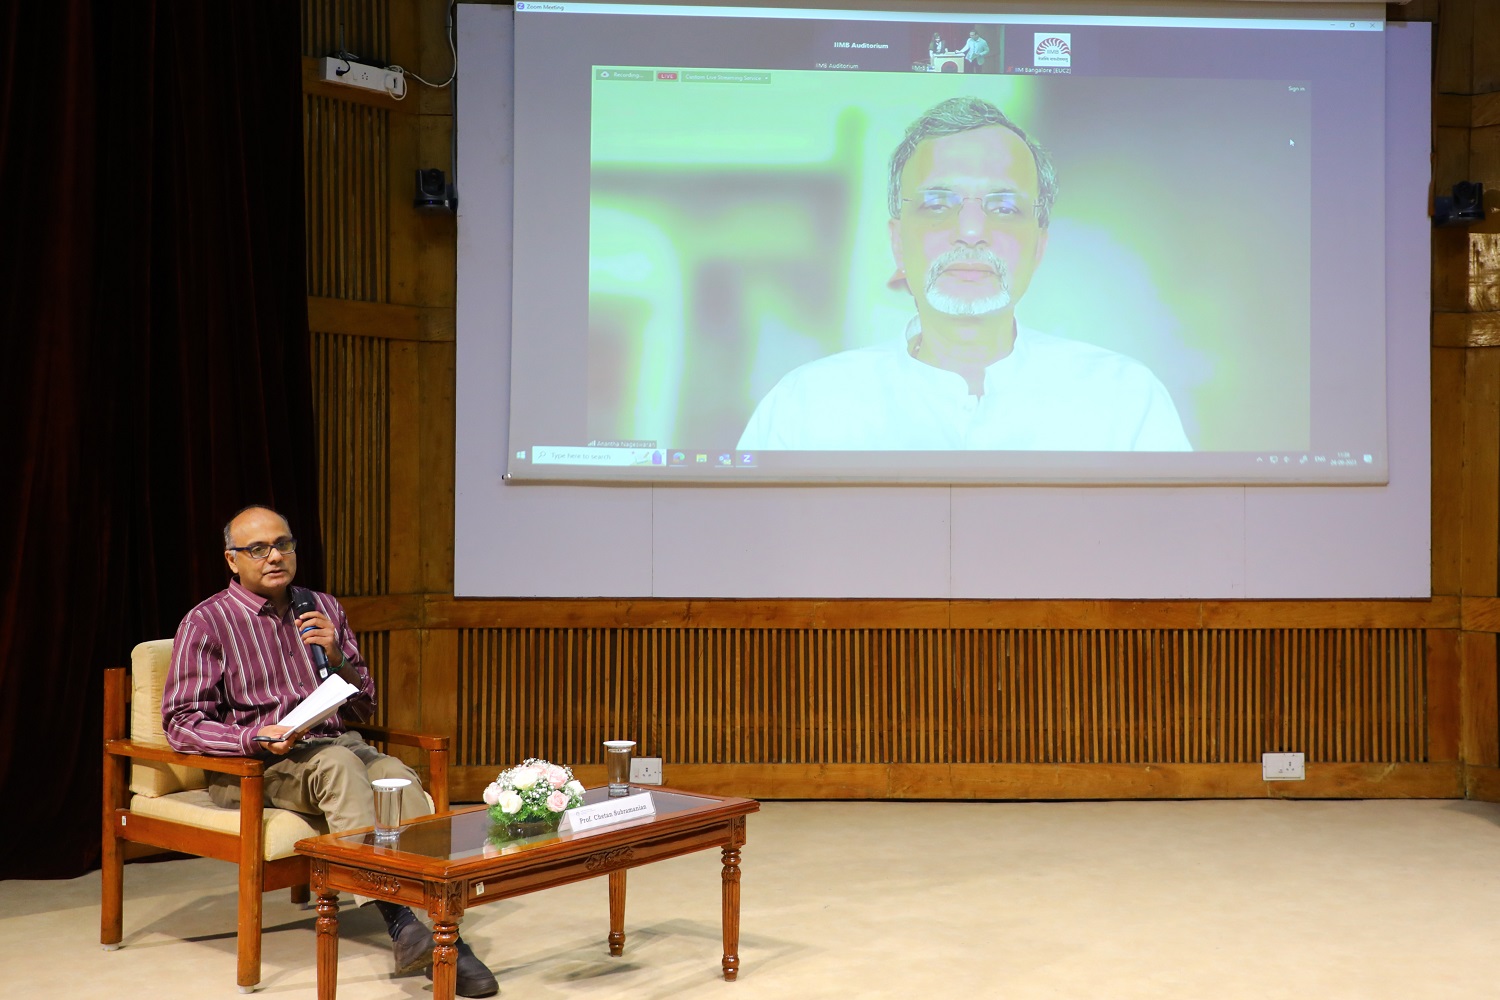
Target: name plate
(609, 812)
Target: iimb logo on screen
(1053, 48)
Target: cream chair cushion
(148, 677)
(283, 828)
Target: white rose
(509, 802)
(574, 787)
(524, 777)
(491, 793)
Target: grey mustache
(967, 255)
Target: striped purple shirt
(238, 666)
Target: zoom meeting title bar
(1371, 19)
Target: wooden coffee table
(446, 864)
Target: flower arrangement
(536, 791)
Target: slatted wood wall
(351, 390)
(876, 696)
(345, 151)
(926, 699)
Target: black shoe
(474, 979)
(412, 947)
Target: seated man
(241, 660)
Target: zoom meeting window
(804, 246)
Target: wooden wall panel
(1447, 470)
(446, 611)
(1453, 47)
(351, 392)
(938, 696)
(1480, 685)
(1444, 694)
(1480, 513)
(345, 151)
(362, 27)
(375, 648)
(436, 367)
(1486, 60)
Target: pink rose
(491, 794)
(556, 776)
(557, 801)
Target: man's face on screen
(968, 239)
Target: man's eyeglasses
(938, 207)
(259, 550)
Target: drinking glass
(617, 766)
(388, 793)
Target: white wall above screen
(922, 542)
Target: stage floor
(1090, 900)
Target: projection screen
(970, 528)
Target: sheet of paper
(320, 704)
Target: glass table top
(472, 833)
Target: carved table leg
(444, 960)
(328, 945)
(617, 912)
(731, 912)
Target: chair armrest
(424, 741)
(245, 767)
(436, 748)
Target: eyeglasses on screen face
(939, 206)
(259, 550)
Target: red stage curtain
(157, 374)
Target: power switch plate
(645, 770)
(1282, 767)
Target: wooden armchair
(156, 796)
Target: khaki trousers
(328, 778)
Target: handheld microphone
(302, 603)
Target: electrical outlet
(1282, 767)
(365, 77)
(645, 770)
